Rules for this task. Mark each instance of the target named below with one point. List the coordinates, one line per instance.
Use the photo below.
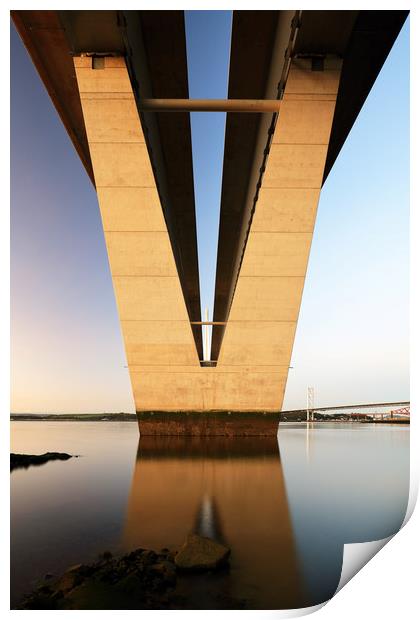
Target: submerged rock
(72, 577)
(166, 570)
(18, 461)
(140, 579)
(199, 553)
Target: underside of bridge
(316, 68)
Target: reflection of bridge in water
(231, 490)
(284, 513)
(297, 82)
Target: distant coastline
(294, 416)
(75, 417)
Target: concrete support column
(262, 321)
(152, 311)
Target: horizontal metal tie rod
(210, 105)
(208, 323)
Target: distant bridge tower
(310, 397)
(207, 348)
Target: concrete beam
(250, 106)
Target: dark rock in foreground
(18, 461)
(142, 579)
(199, 554)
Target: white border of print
(387, 585)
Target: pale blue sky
(208, 52)
(352, 337)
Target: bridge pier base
(209, 423)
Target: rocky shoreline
(141, 579)
(23, 461)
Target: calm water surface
(285, 514)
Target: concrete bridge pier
(174, 393)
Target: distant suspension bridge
(383, 411)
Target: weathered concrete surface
(209, 423)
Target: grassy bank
(75, 417)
